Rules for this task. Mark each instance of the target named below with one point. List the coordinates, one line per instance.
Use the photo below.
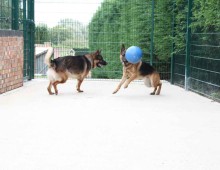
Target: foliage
(41, 33)
(67, 33)
(163, 29)
(113, 25)
(6, 10)
(5, 14)
(130, 22)
(206, 15)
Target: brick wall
(11, 60)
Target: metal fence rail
(197, 69)
(205, 62)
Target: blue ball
(133, 54)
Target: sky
(51, 11)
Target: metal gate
(28, 33)
(19, 15)
(23, 19)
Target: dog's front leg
(123, 79)
(133, 77)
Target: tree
(163, 29)
(117, 22)
(41, 34)
(5, 14)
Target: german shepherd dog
(140, 70)
(62, 68)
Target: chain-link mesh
(158, 27)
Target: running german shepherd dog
(62, 68)
(140, 70)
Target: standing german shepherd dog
(140, 70)
(61, 68)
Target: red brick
(11, 63)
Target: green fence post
(15, 15)
(25, 73)
(173, 46)
(31, 35)
(188, 44)
(152, 34)
(29, 39)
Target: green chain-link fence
(179, 37)
(196, 54)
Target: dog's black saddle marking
(74, 64)
(146, 69)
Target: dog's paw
(125, 86)
(115, 92)
(80, 91)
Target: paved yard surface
(97, 130)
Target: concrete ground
(97, 130)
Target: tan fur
(48, 56)
(132, 72)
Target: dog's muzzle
(124, 61)
(102, 63)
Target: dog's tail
(47, 59)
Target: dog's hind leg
(159, 88)
(155, 82)
(49, 88)
(78, 85)
(55, 87)
(56, 83)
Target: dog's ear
(97, 52)
(122, 48)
